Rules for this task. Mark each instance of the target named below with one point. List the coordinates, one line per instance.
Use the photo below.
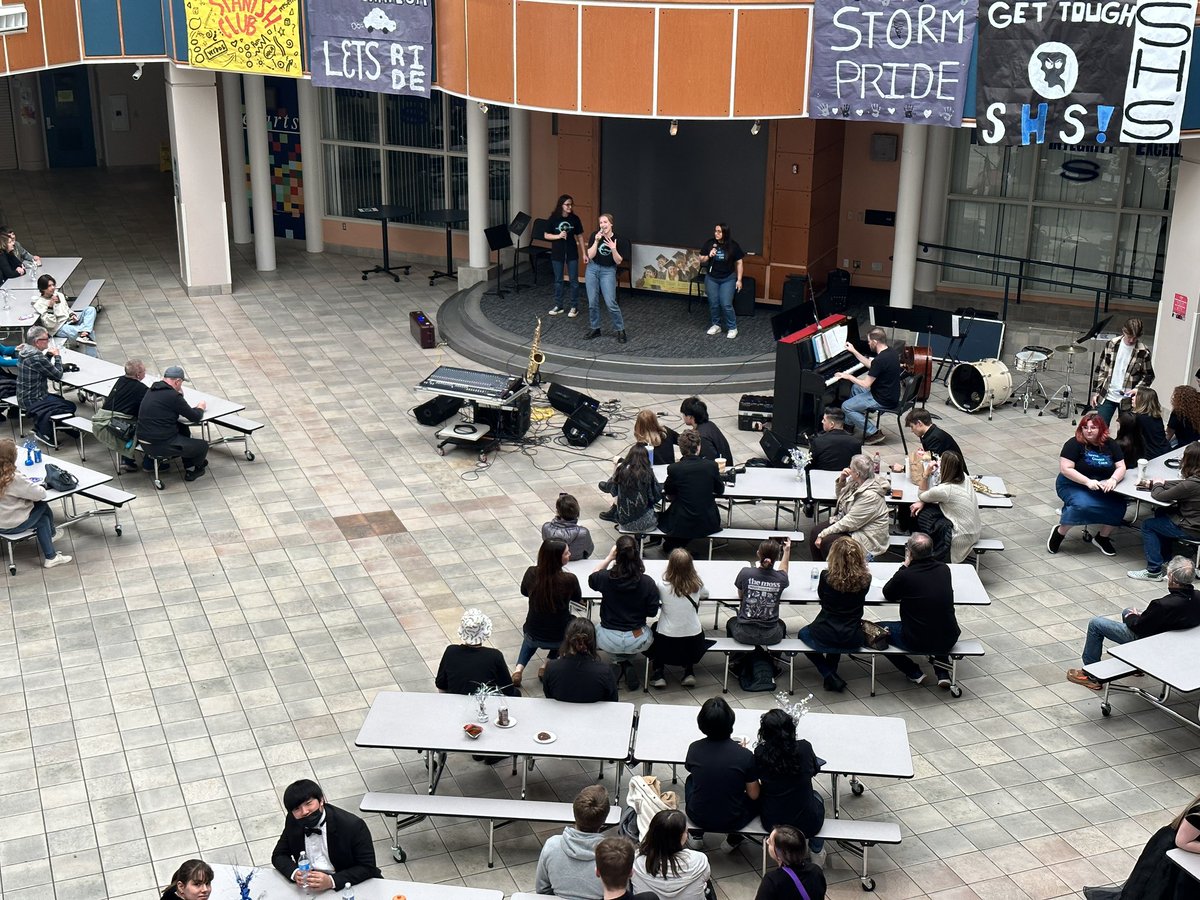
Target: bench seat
(9, 540)
(89, 296)
(1109, 669)
(725, 534)
(243, 426)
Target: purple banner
(384, 46)
(879, 60)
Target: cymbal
(1070, 349)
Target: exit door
(67, 107)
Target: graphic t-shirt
(724, 262)
(568, 248)
(1096, 463)
(761, 589)
(603, 254)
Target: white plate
(550, 740)
(511, 723)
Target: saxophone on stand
(536, 357)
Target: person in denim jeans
(564, 231)
(605, 252)
(628, 597)
(723, 280)
(1168, 524)
(23, 507)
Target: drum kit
(988, 383)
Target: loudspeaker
(507, 424)
(437, 410)
(775, 449)
(743, 300)
(795, 291)
(583, 426)
(566, 401)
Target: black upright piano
(806, 362)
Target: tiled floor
(159, 695)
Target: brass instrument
(536, 357)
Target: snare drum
(1033, 359)
(975, 386)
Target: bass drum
(978, 385)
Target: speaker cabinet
(743, 300)
(566, 401)
(507, 424)
(583, 426)
(437, 410)
(774, 449)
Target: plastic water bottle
(30, 446)
(813, 578)
(348, 892)
(304, 864)
(5, 300)
(875, 462)
(37, 455)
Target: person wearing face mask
(336, 842)
(191, 881)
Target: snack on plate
(473, 730)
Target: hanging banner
(879, 60)
(385, 46)
(1076, 71)
(257, 36)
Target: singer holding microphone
(605, 251)
(723, 279)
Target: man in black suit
(934, 439)
(336, 842)
(834, 447)
(713, 444)
(692, 486)
(924, 589)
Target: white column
(235, 156)
(518, 156)
(477, 198)
(195, 126)
(311, 158)
(933, 204)
(261, 201)
(1176, 340)
(908, 214)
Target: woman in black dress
(1154, 875)
(797, 877)
(837, 629)
(579, 675)
(786, 768)
(550, 591)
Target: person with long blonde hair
(1149, 415)
(1183, 427)
(837, 629)
(659, 440)
(23, 507)
(678, 635)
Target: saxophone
(536, 357)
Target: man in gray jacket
(567, 866)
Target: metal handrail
(1104, 294)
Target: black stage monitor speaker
(566, 401)
(583, 426)
(437, 410)
(507, 424)
(774, 449)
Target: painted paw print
(874, 108)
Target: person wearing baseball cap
(159, 424)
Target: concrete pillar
(933, 205)
(908, 214)
(1176, 341)
(235, 156)
(312, 162)
(518, 155)
(261, 201)
(477, 198)
(200, 222)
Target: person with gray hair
(923, 588)
(1178, 610)
(41, 361)
(122, 405)
(861, 511)
(468, 665)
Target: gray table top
(91, 369)
(268, 884)
(88, 478)
(850, 745)
(1189, 862)
(1157, 468)
(60, 268)
(217, 406)
(417, 721)
(20, 313)
(719, 576)
(1170, 657)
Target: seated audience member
(861, 511)
(787, 766)
(722, 786)
(40, 361)
(614, 867)
(664, 866)
(1090, 466)
(23, 506)
(1150, 422)
(579, 675)
(923, 588)
(628, 598)
(1156, 875)
(759, 588)
(797, 877)
(1178, 610)
(11, 265)
(833, 447)
(637, 492)
(191, 881)
(122, 405)
(837, 629)
(159, 427)
(467, 665)
(565, 527)
(567, 865)
(1129, 436)
(877, 388)
(336, 842)
(678, 635)
(1168, 524)
(1183, 426)
(659, 440)
(949, 511)
(55, 315)
(692, 486)
(26, 258)
(933, 438)
(551, 591)
(10, 359)
(712, 442)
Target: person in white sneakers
(723, 279)
(564, 231)
(56, 316)
(23, 507)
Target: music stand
(517, 228)
(1090, 335)
(498, 238)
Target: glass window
(989, 228)
(351, 179)
(1081, 238)
(1141, 251)
(983, 170)
(349, 116)
(416, 180)
(458, 125)
(413, 122)
(1150, 180)
(1068, 176)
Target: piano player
(879, 388)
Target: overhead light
(483, 108)
(13, 18)
(756, 127)
(674, 127)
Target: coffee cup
(720, 461)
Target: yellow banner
(257, 36)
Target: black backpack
(757, 673)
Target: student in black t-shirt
(605, 251)
(723, 280)
(564, 231)
(1090, 466)
(797, 871)
(467, 665)
(578, 675)
(878, 389)
(722, 787)
(933, 439)
(713, 444)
